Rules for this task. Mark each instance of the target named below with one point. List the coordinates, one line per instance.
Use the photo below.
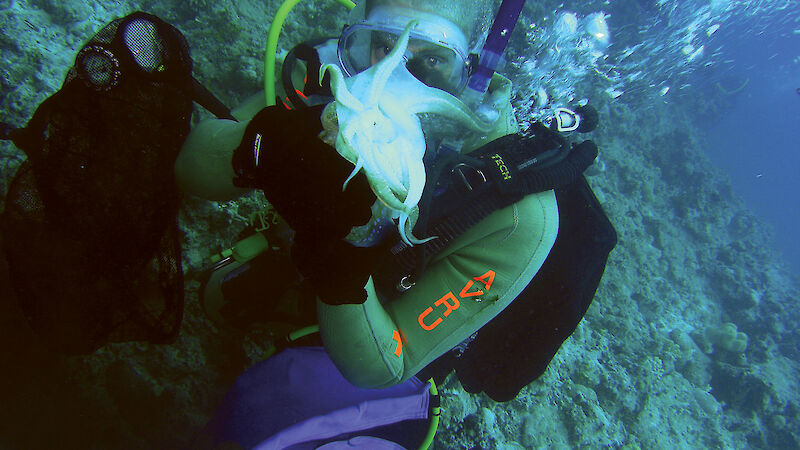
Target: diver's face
(429, 63)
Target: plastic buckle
(463, 177)
(567, 120)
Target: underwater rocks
(727, 337)
(738, 386)
(66, 12)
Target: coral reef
(727, 337)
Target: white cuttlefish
(376, 127)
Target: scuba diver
(411, 218)
(400, 274)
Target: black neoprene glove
(302, 178)
(336, 269)
(300, 175)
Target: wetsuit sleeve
(203, 167)
(377, 345)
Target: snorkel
(492, 52)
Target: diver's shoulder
(512, 226)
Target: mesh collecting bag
(90, 221)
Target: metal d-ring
(459, 167)
(405, 283)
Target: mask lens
(433, 64)
(355, 47)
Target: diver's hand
(300, 175)
(337, 270)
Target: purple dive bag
(298, 400)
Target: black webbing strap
(209, 101)
(30, 138)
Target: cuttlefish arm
(436, 101)
(446, 105)
(384, 69)
(384, 193)
(344, 142)
(339, 87)
(379, 132)
(417, 175)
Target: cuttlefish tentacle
(384, 193)
(358, 166)
(340, 92)
(387, 65)
(343, 141)
(442, 103)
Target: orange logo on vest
(451, 303)
(396, 337)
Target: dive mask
(436, 54)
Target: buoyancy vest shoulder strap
(205, 98)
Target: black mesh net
(103, 37)
(90, 223)
(107, 33)
(75, 298)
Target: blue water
(757, 141)
(688, 53)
